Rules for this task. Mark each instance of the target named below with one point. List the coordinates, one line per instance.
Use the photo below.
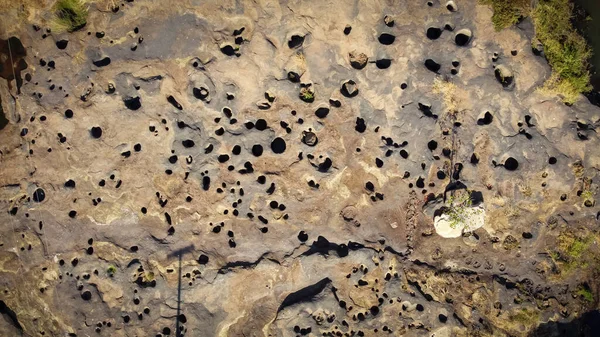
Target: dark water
(591, 31)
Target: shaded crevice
(229, 266)
(304, 294)
(10, 315)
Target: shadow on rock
(586, 325)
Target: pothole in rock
(132, 103)
(349, 89)
(322, 112)
(433, 33)
(200, 93)
(451, 6)
(433, 66)
(485, 118)
(463, 37)
(309, 138)
(386, 39)
(383, 63)
(295, 41)
(511, 164)
(358, 60)
(505, 76)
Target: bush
(70, 15)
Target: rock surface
(278, 168)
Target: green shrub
(69, 15)
(111, 270)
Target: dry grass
(69, 15)
(448, 91)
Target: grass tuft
(69, 15)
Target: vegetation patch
(585, 293)
(507, 12)
(565, 49)
(574, 252)
(111, 270)
(527, 317)
(460, 211)
(69, 15)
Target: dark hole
(295, 41)
(257, 150)
(383, 63)
(374, 310)
(96, 132)
(278, 145)
(260, 125)
(432, 145)
(552, 160)
(62, 44)
(486, 120)
(86, 295)
(132, 103)
(203, 259)
(200, 93)
(433, 33)
(325, 165)
(360, 125)
(386, 39)
(228, 50)
(432, 65)
(322, 112)
(505, 81)
(511, 164)
(174, 102)
(103, 62)
(461, 39)
(39, 195)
